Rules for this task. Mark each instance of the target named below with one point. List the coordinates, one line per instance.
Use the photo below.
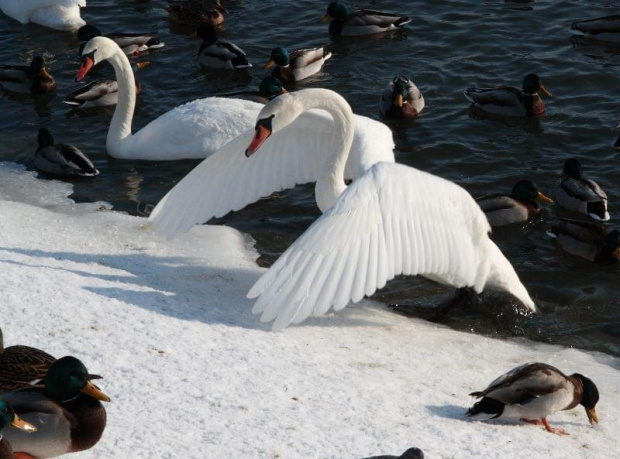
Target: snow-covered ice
(192, 373)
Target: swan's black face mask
(263, 131)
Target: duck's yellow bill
(143, 64)
(324, 18)
(543, 198)
(592, 417)
(399, 100)
(23, 425)
(45, 73)
(95, 392)
(544, 91)
(269, 64)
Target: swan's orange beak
(87, 64)
(263, 131)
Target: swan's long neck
(330, 183)
(120, 127)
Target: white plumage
(56, 14)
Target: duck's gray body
(304, 64)
(98, 93)
(583, 239)
(503, 210)
(584, 196)
(223, 55)
(606, 28)
(367, 22)
(64, 160)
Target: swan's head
(96, 50)
(274, 116)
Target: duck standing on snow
(510, 101)
(519, 207)
(411, 453)
(65, 410)
(21, 365)
(401, 99)
(588, 240)
(8, 418)
(61, 159)
(31, 79)
(131, 43)
(349, 22)
(534, 391)
(575, 192)
(297, 65)
(606, 28)
(220, 54)
(56, 14)
(196, 11)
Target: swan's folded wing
(228, 181)
(393, 220)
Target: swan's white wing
(228, 181)
(393, 220)
(57, 14)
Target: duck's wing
(393, 220)
(504, 96)
(14, 73)
(579, 190)
(304, 57)
(524, 383)
(228, 181)
(596, 189)
(21, 366)
(124, 39)
(91, 91)
(69, 159)
(377, 18)
(605, 24)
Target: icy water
(449, 46)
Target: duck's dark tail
(487, 408)
(402, 21)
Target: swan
(392, 219)
(56, 14)
(193, 130)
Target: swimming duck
(20, 366)
(61, 159)
(575, 192)
(269, 88)
(297, 65)
(219, 53)
(518, 207)
(411, 453)
(65, 410)
(196, 11)
(534, 391)
(9, 418)
(349, 22)
(509, 101)
(401, 99)
(131, 43)
(588, 240)
(99, 93)
(606, 28)
(27, 79)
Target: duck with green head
(589, 240)
(298, 64)
(66, 410)
(518, 207)
(401, 99)
(27, 79)
(8, 419)
(510, 101)
(349, 22)
(217, 53)
(580, 194)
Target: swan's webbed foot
(463, 297)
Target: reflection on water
(449, 46)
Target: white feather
(56, 14)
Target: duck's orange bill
(544, 91)
(543, 198)
(262, 134)
(399, 100)
(87, 64)
(269, 64)
(95, 392)
(325, 18)
(592, 416)
(23, 425)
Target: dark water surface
(449, 46)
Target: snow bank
(192, 373)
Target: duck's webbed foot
(463, 297)
(553, 429)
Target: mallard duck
(509, 101)
(401, 99)
(575, 192)
(20, 366)
(534, 391)
(219, 53)
(196, 11)
(518, 207)
(9, 418)
(588, 240)
(411, 453)
(269, 88)
(131, 43)
(606, 28)
(27, 79)
(61, 159)
(348, 22)
(297, 65)
(65, 410)
(99, 93)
